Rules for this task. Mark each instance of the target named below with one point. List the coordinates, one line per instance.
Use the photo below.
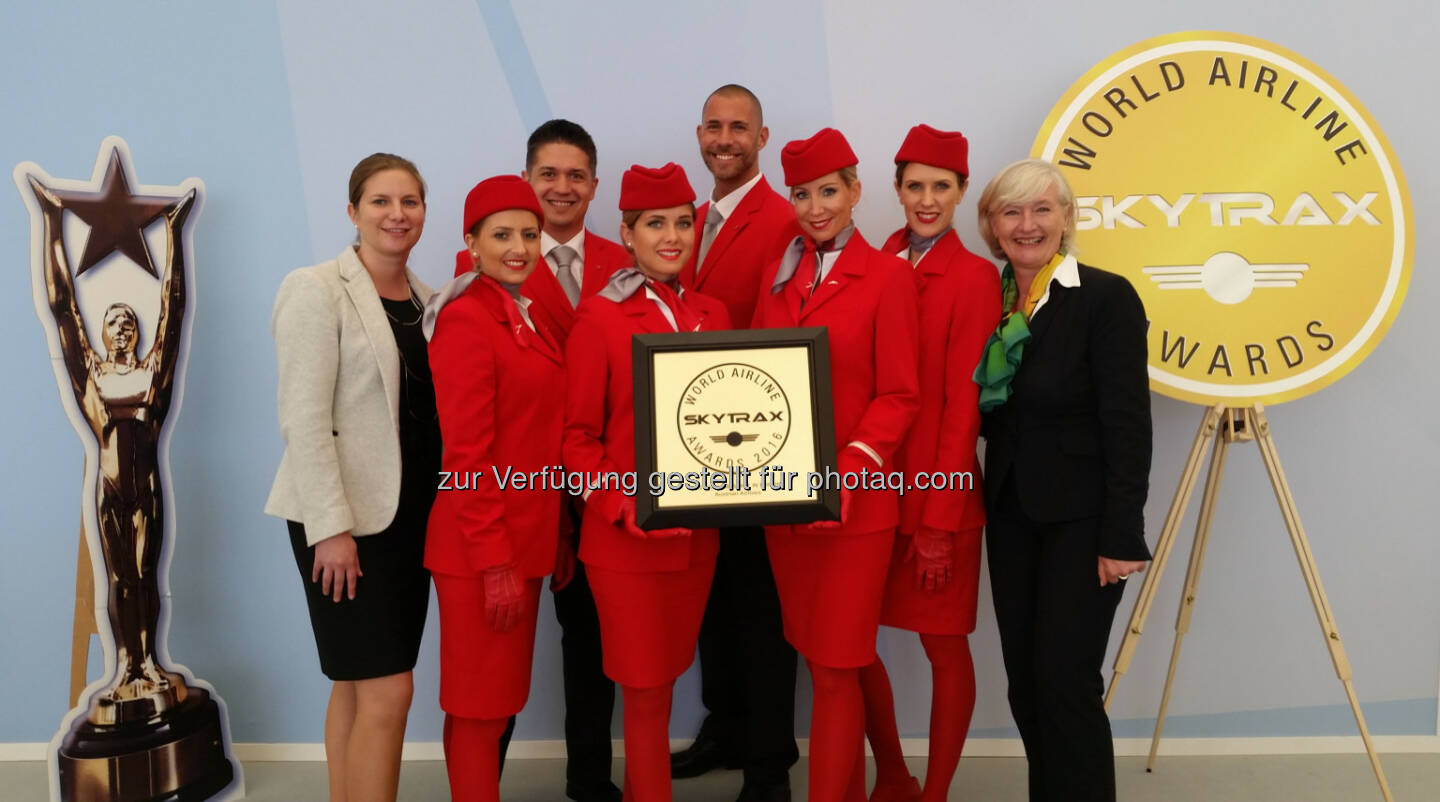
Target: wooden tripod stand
(84, 625)
(1225, 425)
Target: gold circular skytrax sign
(1252, 202)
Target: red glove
(933, 550)
(851, 461)
(564, 565)
(610, 504)
(627, 510)
(503, 597)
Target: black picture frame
(822, 505)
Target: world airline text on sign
(1252, 202)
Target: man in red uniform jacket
(560, 166)
(745, 224)
(747, 669)
(560, 161)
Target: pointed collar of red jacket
(441, 298)
(498, 302)
(848, 241)
(627, 281)
(935, 259)
(626, 288)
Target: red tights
(647, 743)
(837, 735)
(472, 757)
(952, 672)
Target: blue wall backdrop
(272, 103)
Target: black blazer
(1076, 432)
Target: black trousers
(1054, 621)
(505, 742)
(747, 669)
(589, 694)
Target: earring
(630, 245)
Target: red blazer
(602, 258)
(501, 403)
(600, 422)
(959, 308)
(760, 227)
(867, 302)
(551, 308)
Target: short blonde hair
(1023, 182)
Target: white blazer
(339, 400)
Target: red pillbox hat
(654, 188)
(497, 194)
(946, 149)
(808, 159)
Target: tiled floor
(1308, 778)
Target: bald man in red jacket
(747, 669)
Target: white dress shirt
(1067, 274)
(523, 304)
(726, 205)
(827, 261)
(905, 254)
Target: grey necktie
(564, 256)
(713, 220)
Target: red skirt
(831, 586)
(649, 621)
(483, 673)
(951, 611)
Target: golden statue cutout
(148, 733)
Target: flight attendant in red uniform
(496, 380)
(650, 586)
(935, 564)
(831, 577)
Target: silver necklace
(414, 302)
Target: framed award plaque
(733, 428)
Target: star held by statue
(117, 217)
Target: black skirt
(377, 633)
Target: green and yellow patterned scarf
(1006, 346)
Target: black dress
(378, 632)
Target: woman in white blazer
(362, 452)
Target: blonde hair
(1023, 182)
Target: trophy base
(178, 757)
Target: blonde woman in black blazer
(362, 452)
(1066, 404)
